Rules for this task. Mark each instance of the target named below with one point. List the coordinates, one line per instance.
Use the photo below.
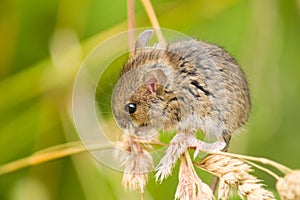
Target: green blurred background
(43, 43)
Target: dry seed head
(190, 185)
(137, 162)
(254, 190)
(289, 186)
(136, 171)
(134, 181)
(235, 173)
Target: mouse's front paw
(177, 147)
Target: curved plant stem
(142, 196)
(52, 153)
(189, 161)
(154, 22)
(264, 169)
(265, 161)
(59, 147)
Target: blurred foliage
(36, 77)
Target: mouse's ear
(154, 77)
(143, 39)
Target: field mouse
(186, 86)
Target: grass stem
(154, 22)
(52, 153)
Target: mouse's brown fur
(188, 86)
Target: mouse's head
(141, 103)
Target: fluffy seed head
(190, 185)
(289, 186)
(235, 173)
(137, 164)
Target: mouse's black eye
(130, 108)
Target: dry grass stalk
(49, 154)
(154, 22)
(190, 185)
(235, 173)
(289, 186)
(137, 162)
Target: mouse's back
(214, 86)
